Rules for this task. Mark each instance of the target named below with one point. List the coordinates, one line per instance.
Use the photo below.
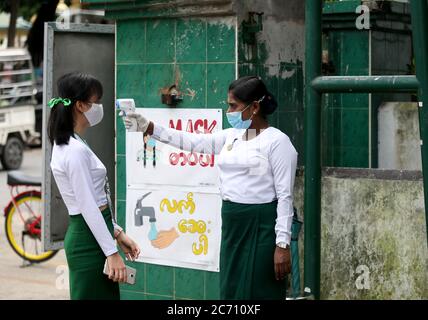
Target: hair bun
(269, 104)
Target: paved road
(47, 280)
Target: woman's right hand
(131, 118)
(117, 268)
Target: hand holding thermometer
(126, 106)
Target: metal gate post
(312, 199)
(419, 10)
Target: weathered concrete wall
(282, 37)
(373, 234)
(277, 57)
(399, 138)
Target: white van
(17, 106)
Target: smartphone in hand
(130, 273)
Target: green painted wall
(346, 116)
(198, 54)
(157, 47)
(277, 57)
(285, 81)
(350, 121)
(360, 218)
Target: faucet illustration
(140, 212)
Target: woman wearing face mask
(82, 181)
(257, 166)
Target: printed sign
(173, 206)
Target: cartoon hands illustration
(165, 238)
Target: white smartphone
(130, 273)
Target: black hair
(75, 86)
(252, 88)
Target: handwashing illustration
(164, 238)
(161, 239)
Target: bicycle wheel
(23, 227)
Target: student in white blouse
(82, 181)
(257, 166)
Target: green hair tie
(54, 101)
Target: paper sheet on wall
(179, 229)
(150, 162)
(173, 206)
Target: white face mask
(95, 114)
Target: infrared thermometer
(126, 106)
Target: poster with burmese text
(173, 207)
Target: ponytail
(61, 124)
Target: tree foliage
(26, 9)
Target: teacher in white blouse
(257, 165)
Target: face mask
(95, 114)
(235, 119)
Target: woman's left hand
(282, 262)
(128, 246)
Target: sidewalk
(42, 281)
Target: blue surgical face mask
(235, 119)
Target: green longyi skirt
(247, 251)
(86, 262)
